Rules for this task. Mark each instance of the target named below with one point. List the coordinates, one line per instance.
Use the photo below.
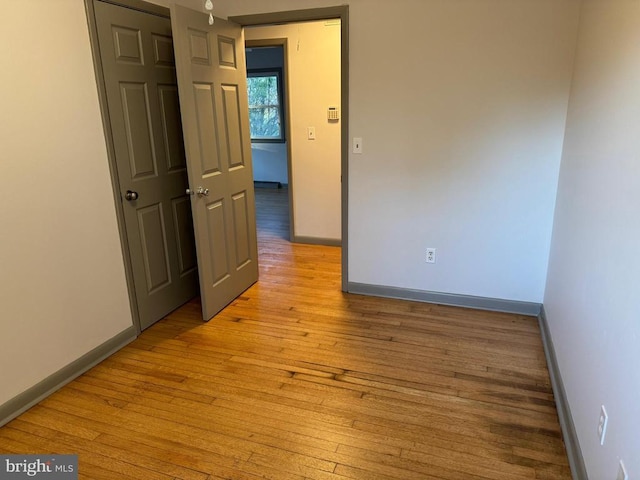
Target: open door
(215, 120)
(142, 99)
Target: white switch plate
(311, 133)
(357, 145)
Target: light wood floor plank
(296, 380)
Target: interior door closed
(215, 118)
(136, 51)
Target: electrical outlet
(431, 255)
(602, 424)
(622, 472)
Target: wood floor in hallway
(297, 380)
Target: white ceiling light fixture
(208, 5)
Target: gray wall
(265, 57)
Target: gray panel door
(136, 51)
(215, 117)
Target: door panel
(137, 123)
(172, 128)
(207, 131)
(154, 246)
(218, 242)
(232, 127)
(136, 51)
(199, 47)
(242, 229)
(127, 44)
(227, 51)
(163, 50)
(215, 117)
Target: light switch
(311, 133)
(357, 145)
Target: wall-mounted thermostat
(333, 114)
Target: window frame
(269, 72)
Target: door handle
(202, 192)
(131, 195)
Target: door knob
(202, 192)
(131, 195)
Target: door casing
(327, 13)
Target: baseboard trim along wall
(468, 301)
(331, 242)
(574, 453)
(27, 399)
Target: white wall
(592, 298)
(270, 162)
(62, 284)
(462, 107)
(313, 85)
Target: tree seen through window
(265, 105)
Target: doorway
(325, 13)
(268, 91)
(338, 12)
(314, 122)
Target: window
(266, 118)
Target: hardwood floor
(297, 380)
